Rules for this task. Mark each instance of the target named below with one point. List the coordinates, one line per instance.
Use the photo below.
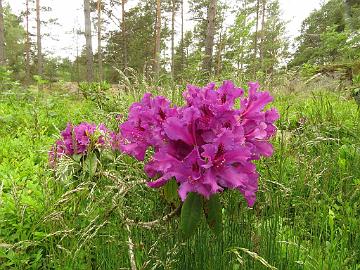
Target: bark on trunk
(89, 53)
(347, 15)
(218, 56)
(245, 8)
(27, 45)
(157, 38)
(182, 36)
(2, 36)
(262, 34)
(38, 40)
(123, 25)
(173, 9)
(256, 38)
(99, 41)
(209, 40)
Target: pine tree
(89, 53)
(273, 42)
(240, 49)
(329, 34)
(2, 36)
(38, 40)
(28, 45)
(157, 38)
(209, 40)
(100, 60)
(256, 37)
(124, 36)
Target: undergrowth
(306, 215)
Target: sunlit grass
(306, 215)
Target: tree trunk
(99, 41)
(262, 34)
(218, 56)
(2, 36)
(123, 25)
(173, 8)
(256, 38)
(27, 45)
(209, 39)
(157, 39)
(347, 15)
(245, 8)
(89, 53)
(182, 36)
(77, 31)
(38, 40)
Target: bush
(6, 81)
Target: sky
(62, 41)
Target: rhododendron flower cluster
(209, 144)
(76, 140)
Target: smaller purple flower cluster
(77, 140)
(207, 145)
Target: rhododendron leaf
(109, 155)
(191, 212)
(213, 212)
(77, 157)
(170, 191)
(91, 164)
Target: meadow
(306, 215)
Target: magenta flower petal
(76, 140)
(207, 145)
(177, 130)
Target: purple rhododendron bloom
(209, 144)
(76, 140)
(144, 126)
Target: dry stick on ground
(148, 225)
(124, 189)
(151, 224)
(131, 249)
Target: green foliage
(170, 192)
(191, 213)
(6, 81)
(240, 39)
(95, 91)
(213, 213)
(40, 81)
(326, 36)
(308, 70)
(14, 40)
(305, 216)
(90, 163)
(140, 25)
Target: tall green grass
(306, 215)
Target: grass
(306, 215)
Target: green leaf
(91, 164)
(77, 158)
(170, 192)
(108, 155)
(213, 212)
(190, 214)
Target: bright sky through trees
(70, 15)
